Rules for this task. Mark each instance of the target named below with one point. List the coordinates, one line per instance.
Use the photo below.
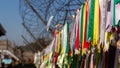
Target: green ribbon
(117, 1)
(81, 29)
(91, 21)
(114, 13)
(67, 35)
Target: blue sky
(11, 20)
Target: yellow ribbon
(58, 46)
(84, 22)
(96, 23)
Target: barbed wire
(36, 13)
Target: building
(6, 45)
(2, 31)
(6, 50)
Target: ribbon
(96, 23)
